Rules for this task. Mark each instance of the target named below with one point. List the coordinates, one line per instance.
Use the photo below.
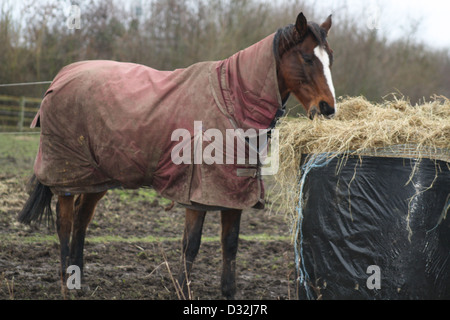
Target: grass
(47, 238)
(145, 195)
(17, 153)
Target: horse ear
(301, 25)
(327, 24)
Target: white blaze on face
(322, 55)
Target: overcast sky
(396, 17)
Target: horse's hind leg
(231, 220)
(191, 244)
(84, 211)
(64, 221)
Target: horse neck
(251, 79)
(282, 87)
(255, 67)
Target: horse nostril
(312, 112)
(325, 108)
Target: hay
(362, 128)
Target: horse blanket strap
(106, 124)
(247, 173)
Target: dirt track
(131, 244)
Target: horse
(296, 59)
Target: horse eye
(308, 60)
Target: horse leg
(84, 211)
(64, 221)
(231, 220)
(191, 244)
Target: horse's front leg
(231, 220)
(191, 244)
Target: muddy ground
(133, 251)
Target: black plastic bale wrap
(364, 232)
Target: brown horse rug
(107, 124)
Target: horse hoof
(83, 291)
(229, 293)
(85, 288)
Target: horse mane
(289, 37)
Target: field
(133, 245)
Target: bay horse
(302, 63)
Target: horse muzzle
(323, 109)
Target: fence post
(22, 113)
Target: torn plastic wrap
(373, 228)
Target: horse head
(304, 61)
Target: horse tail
(38, 204)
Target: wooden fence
(16, 113)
